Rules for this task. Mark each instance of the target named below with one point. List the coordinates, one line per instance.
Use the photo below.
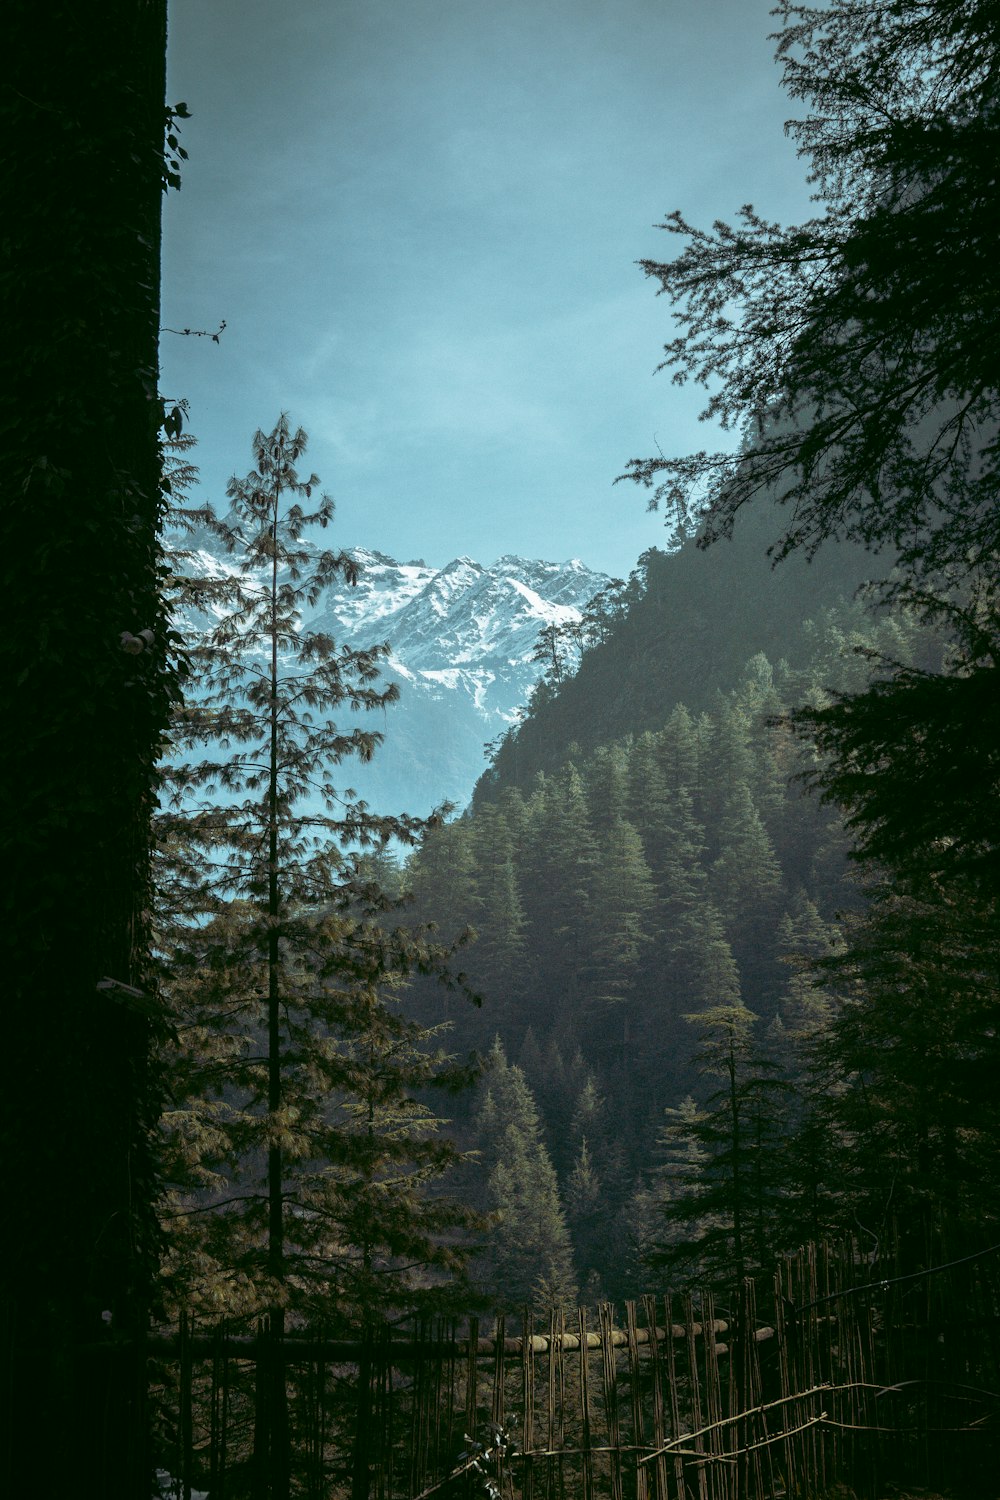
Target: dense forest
(649, 914)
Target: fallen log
(347, 1351)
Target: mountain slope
(689, 634)
(461, 640)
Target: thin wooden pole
(609, 1370)
(783, 1329)
(560, 1387)
(862, 1317)
(675, 1407)
(416, 1476)
(471, 1377)
(657, 1377)
(214, 1397)
(527, 1407)
(498, 1407)
(452, 1383)
(694, 1383)
(845, 1311)
(719, 1475)
(551, 1390)
(587, 1484)
(425, 1403)
(635, 1389)
(220, 1486)
(390, 1408)
(437, 1399)
(760, 1473)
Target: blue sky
(420, 220)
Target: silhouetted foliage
(86, 685)
(853, 352)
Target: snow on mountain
(461, 640)
(464, 615)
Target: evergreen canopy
(854, 352)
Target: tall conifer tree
(559, 896)
(623, 923)
(728, 1207)
(608, 788)
(282, 957)
(528, 1259)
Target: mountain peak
(461, 639)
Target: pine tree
(727, 1211)
(562, 860)
(528, 1259)
(911, 1059)
(530, 1059)
(606, 609)
(806, 1006)
(558, 650)
(497, 960)
(623, 902)
(592, 1121)
(912, 759)
(695, 973)
(681, 745)
(514, 810)
(587, 1213)
(297, 1078)
(853, 352)
(596, 1190)
(559, 1086)
(608, 788)
(771, 738)
(442, 876)
(646, 795)
(678, 1159)
(745, 882)
(727, 769)
(663, 776)
(746, 874)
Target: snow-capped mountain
(461, 640)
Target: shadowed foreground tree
(85, 691)
(908, 1066)
(854, 353)
(914, 760)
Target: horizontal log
(348, 1351)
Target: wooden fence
(828, 1374)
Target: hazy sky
(420, 220)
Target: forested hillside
(652, 894)
(683, 627)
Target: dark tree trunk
(83, 122)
